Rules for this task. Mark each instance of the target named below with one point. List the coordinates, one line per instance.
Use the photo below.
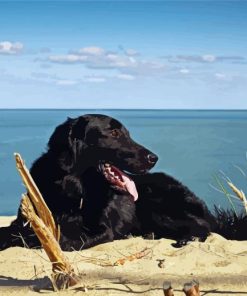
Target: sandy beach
(218, 264)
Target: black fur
(89, 209)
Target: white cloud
(184, 71)
(126, 77)
(206, 58)
(106, 60)
(209, 58)
(99, 58)
(92, 50)
(67, 58)
(7, 47)
(119, 61)
(131, 52)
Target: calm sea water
(192, 146)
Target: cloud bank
(127, 62)
(9, 48)
(207, 58)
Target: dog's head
(102, 142)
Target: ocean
(193, 146)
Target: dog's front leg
(85, 241)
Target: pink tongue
(130, 186)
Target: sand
(218, 264)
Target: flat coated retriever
(95, 180)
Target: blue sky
(123, 54)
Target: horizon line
(118, 109)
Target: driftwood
(191, 288)
(35, 210)
(167, 289)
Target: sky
(123, 54)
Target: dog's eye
(115, 133)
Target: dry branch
(35, 210)
(48, 241)
(36, 197)
(191, 288)
(138, 255)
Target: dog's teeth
(107, 165)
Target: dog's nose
(152, 158)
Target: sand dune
(220, 266)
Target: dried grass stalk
(35, 210)
(239, 193)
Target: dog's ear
(78, 129)
(67, 141)
(66, 133)
(60, 137)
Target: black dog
(91, 177)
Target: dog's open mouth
(118, 179)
